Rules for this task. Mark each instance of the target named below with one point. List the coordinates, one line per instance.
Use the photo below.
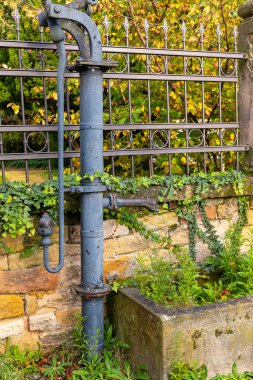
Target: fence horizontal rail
(114, 127)
(126, 152)
(160, 77)
(126, 50)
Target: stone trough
(217, 335)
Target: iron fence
(166, 110)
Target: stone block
(4, 262)
(72, 249)
(58, 301)
(221, 227)
(55, 236)
(30, 304)
(70, 275)
(11, 327)
(67, 317)
(42, 322)
(27, 280)
(38, 294)
(251, 202)
(228, 210)
(26, 340)
(214, 201)
(211, 212)
(110, 226)
(74, 234)
(121, 230)
(16, 262)
(202, 251)
(11, 306)
(3, 346)
(50, 301)
(124, 245)
(56, 338)
(180, 236)
(250, 217)
(69, 250)
(35, 260)
(119, 267)
(14, 244)
(159, 221)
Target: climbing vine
(19, 201)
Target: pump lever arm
(45, 226)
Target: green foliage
(181, 371)
(235, 268)
(18, 365)
(176, 281)
(54, 368)
(171, 281)
(18, 201)
(71, 362)
(111, 364)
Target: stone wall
(37, 307)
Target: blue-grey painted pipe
(60, 90)
(91, 151)
(58, 37)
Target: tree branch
(164, 12)
(131, 10)
(154, 7)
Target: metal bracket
(83, 63)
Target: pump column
(92, 289)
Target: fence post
(245, 45)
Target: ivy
(19, 201)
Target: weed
(55, 368)
(181, 371)
(176, 281)
(16, 364)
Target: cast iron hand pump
(90, 66)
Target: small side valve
(45, 229)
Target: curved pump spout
(45, 224)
